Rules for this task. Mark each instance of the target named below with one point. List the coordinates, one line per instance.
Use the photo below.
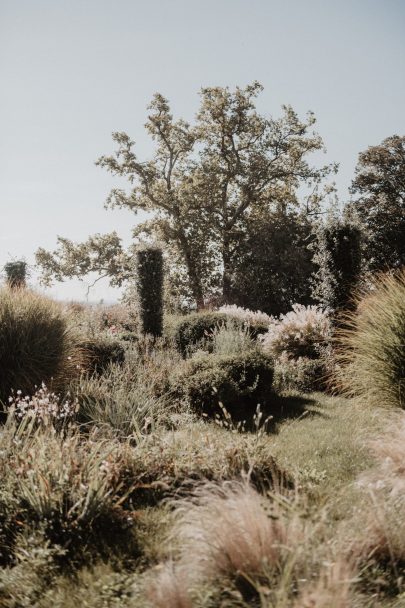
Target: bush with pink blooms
(302, 332)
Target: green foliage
(16, 273)
(64, 487)
(123, 399)
(379, 203)
(302, 374)
(372, 346)
(199, 187)
(237, 383)
(338, 256)
(149, 280)
(101, 351)
(231, 338)
(194, 328)
(273, 266)
(36, 343)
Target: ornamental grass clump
(371, 347)
(36, 344)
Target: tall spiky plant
(149, 279)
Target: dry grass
(36, 343)
(333, 589)
(371, 347)
(169, 587)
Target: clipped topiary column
(149, 280)
(16, 274)
(338, 255)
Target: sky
(74, 71)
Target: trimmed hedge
(198, 326)
(149, 281)
(238, 382)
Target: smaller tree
(338, 256)
(16, 274)
(149, 281)
(273, 268)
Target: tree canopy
(201, 186)
(378, 191)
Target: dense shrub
(299, 333)
(200, 327)
(101, 352)
(64, 486)
(36, 344)
(303, 374)
(149, 281)
(193, 328)
(239, 383)
(372, 345)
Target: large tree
(204, 181)
(378, 191)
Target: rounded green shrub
(101, 352)
(36, 344)
(238, 383)
(201, 326)
(371, 357)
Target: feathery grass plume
(36, 343)
(169, 587)
(149, 280)
(333, 588)
(231, 532)
(371, 347)
(231, 339)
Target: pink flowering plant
(302, 332)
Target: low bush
(123, 399)
(36, 343)
(303, 374)
(199, 328)
(169, 463)
(302, 332)
(230, 339)
(101, 352)
(371, 352)
(235, 383)
(193, 328)
(257, 321)
(64, 487)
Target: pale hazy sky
(73, 71)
